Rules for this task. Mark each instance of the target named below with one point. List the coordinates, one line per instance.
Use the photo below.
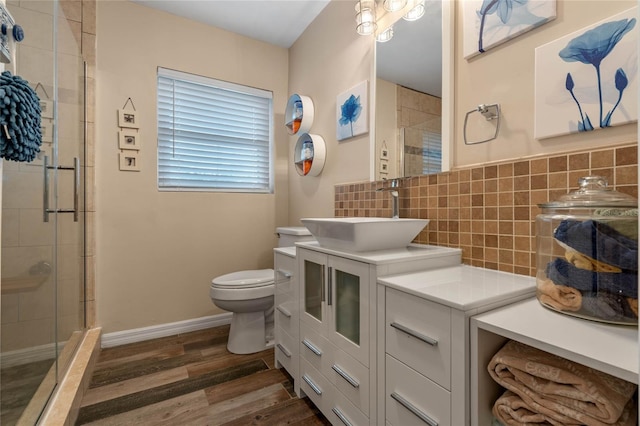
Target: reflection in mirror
(409, 97)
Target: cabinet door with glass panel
(334, 300)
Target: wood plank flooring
(18, 384)
(191, 379)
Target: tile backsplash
(489, 211)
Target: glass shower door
(43, 245)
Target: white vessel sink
(364, 233)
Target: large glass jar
(587, 254)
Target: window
(431, 152)
(213, 135)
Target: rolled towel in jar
(560, 297)
(564, 273)
(599, 241)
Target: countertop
(462, 287)
(287, 251)
(380, 257)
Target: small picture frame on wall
(46, 108)
(129, 161)
(128, 119)
(129, 139)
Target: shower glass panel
(43, 227)
(421, 151)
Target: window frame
(224, 85)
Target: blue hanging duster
(20, 116)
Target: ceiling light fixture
(394, 5)
(366, 17)
(386, 35)
(416, 13)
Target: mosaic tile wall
(489, 211)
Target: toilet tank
(289, 235)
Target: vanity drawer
(418, 333)
(351, 378)
(343, 412)
(317, 350)
(286, 314)
(286, 352)
(284, 273)
(316, 386)
(412, 399)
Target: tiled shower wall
(27, 315)
(489, 211)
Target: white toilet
(249, 296)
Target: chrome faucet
(393, 189)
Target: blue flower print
(592, 47)
(585, 122)
(621, 81)
(503, 9)
(350, 111)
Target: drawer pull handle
(428, 340)
(341, 416)
(284, 273)
(312, 347)
(345, 376)
(283, 311)
(312, 385)
(409, 406)
(284, 350)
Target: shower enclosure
(43, 315)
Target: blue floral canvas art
(352, 112)
(488, 23)
(587, 80)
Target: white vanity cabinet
(334, 301)
(286, 313)
(338, 308)
(424, 340)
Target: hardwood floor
(192, 379)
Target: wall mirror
(413, 95)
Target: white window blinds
(431, 152)
(213, 135)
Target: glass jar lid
(594, 191)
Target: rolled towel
(599, 241)
(559, 388)
(628, 228)
(564, 273)
(559, 297)
(510, 409)
(581, 261)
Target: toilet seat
(244, 279)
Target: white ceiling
(412, 58)
(278, 22)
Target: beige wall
(328, 59)
(505, 75)
(158, 251)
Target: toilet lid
(244, 279)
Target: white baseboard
(29, 355)
(119, 338)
